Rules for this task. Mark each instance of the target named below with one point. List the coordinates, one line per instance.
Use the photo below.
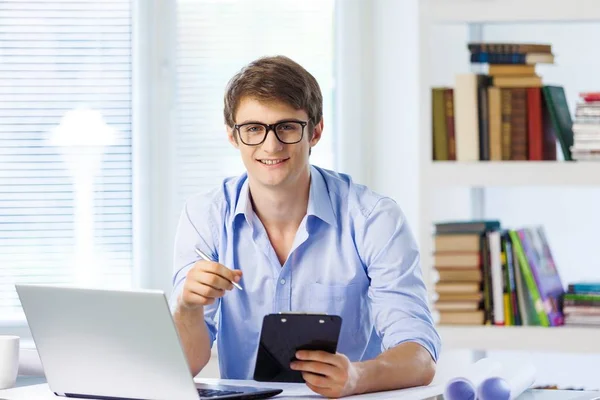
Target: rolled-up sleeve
(397, 292)
(196, 229)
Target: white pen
(206, 258)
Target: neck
(282, 209)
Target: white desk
(290, 391)
(300, 391)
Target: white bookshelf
(562, 339)
(513, 173)
(526, 11)
(436, 175)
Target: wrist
(363, 371)
(357, 378)
(189, 313)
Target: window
(65, 146)
(215, 39)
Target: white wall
(570, 215)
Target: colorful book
(544, 271)
(584, 287)
(558, 109)
(522, 252)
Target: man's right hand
(205, 282)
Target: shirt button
(282, 281)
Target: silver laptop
(96, 343)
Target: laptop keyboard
(215, 393)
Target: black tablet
(284, 334)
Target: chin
(271, 178)
(273, 183)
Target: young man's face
(272, 163)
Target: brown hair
(275, 78)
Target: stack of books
(581, 304)
(512, 65)
(587, 128)
(459, 250)
(489, 275)
(504, 114)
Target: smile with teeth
(272, 162)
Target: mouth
(272, 161)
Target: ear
(316, 133)
(231, 137)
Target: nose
(271, 143)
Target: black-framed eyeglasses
(255, 133)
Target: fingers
(324, 373)
(190, 299)
(319, 368)
(205, 282)
(317, 381)
(203, 290)
(211, 280)
(320, 356)
(218, 270)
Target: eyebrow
(276, 122)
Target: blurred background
(111, 116)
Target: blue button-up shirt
(353, 255)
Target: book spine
(575, 303)
(559, 115)
(483, 82)
(518, 124)
(548, 134)
(506, 104)
(466, 119)
(495, 123)
(498, 58)
(508, 310)
(449, 100)
(535, 136)
(439, 135)
(516, 314)
(529, 279)
(497, 281)
(488, 301)
(584, 288)
(509, 48)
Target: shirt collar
(244, 205)
(319, 202)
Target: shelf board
(508, 11)
(513, 173)
(522, 338)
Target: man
(299, 238)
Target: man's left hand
(330, 375)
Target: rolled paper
(464, 387)
(509, 385)
(495, 388)
(460, 389)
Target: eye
(252, 128)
